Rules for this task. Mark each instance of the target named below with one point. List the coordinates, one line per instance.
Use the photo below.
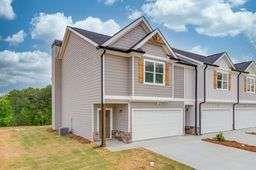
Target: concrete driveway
(198, 154)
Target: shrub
(220, 137)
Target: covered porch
(117, 122)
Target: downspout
(196, 98)
(103, 118)
(204, 101)
(238, 99)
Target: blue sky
(27, 28)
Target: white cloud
(110, 2)
(199, 50)
(212, 18)
(16, 38)
(6, 10)
(52, 26)
(29, 68)
(237, 2)
(135, 14)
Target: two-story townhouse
(245, 108)
(222, 103)
(129, 72)
(147, 88)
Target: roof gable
(157, 37)
(247, 66)
(128, 28)
(216, 58)
(130, 38)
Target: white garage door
(215, 120)
(245, 118)
(156, 123)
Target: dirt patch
(50, 130)
(79, 138)
(232, 143)
(251, 133)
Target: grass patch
(39, 148)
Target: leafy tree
(31, 106)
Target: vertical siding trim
(129, 117)
(104, 66)
(132, 75)
(92, 111)
(172, 83)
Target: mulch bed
(232, 143)
(251, 133)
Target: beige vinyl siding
(189, 84)
(215, 94)
(116, 75)
(132, 37)
(245, 95)
(141, 89)
(155, 50)
(80, 85)
(178, 82)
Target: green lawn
(37, 148)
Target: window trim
(222, 81)
(154, 73)
(247, 84)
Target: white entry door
(156, 123)
(245, 118)
(216, 120)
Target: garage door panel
(156, 123)
(215, 120)
(245, 118)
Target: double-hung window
(251, 85)
(154, 72)
(222, 81)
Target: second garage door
(245, 118)
(215, 120)
(156, 123)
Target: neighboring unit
(148, 88)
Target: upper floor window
(251, 85)
(154, 72)
(222, 81)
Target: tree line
(30, 106)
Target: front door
(108, 123)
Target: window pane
(219, 84)
(149, 77)
(149, 66)
(225, 77)
(159, 68)
(225, 85)
(219, 76)
(159, 78)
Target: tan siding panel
(116, 75)
(178, 82)
(132, 37)
(80, 86)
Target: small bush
(220, 137)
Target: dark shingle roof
(57, 43)
(242, 66)
(194, 56)
(206, 59)
(212, 58)
(96, 37)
